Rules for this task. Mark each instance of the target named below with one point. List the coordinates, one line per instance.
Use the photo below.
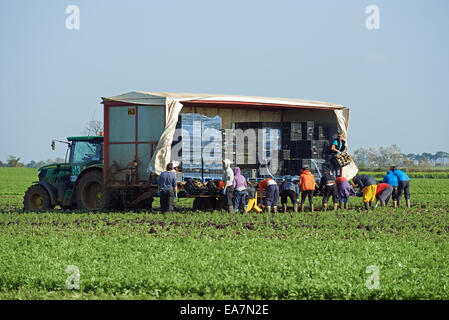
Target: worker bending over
(289, 190)
(393, 181)
(307, 187)
(272, 196)
(344, 191)
(328, 186)
(404, 185)
(252, 202)
(368, 186)
(383, 194)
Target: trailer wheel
(92, 194)
(37, 198)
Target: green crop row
(215, 255)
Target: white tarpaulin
(173, 105)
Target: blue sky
(393, 79)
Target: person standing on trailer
(307, 187)
(344, 191)
(228, 189)
(240, 193)
(328, 185)
(368, 186)
(383, 194)
(393, 181)
(272, 197)
(289, 190)
(337, 147)
(167, 189)
(404, 185)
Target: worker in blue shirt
(392, 180)
(289, 189)
(403, 185)
(168, 189)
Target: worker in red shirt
(383, 193)
(272, 197)
(307, 187)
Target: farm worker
(337, 147)
(328, 185)
(289, 190)
(307, 187)
(252, 202)
(228, 189)
(168, 188)
(368, 185)
(272, 198)
(392, 180)
(403, 185)
(239, 185)
(383, 193)
(344, 191)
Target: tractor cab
(84, 152)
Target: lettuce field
(348, 254)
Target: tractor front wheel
(37, 198)
(91, 192)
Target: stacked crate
(191, 162)
(303, 142)
(211, 145)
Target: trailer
(139, 131)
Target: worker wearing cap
(393, 181)
(289, 190)
(167, 189)
(383, 193)
(228, 189)
(368, 186)
(272, 197)
(403, 185)
(307, 187)
(328, 186)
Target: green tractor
(77, 183)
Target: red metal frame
(136, 142)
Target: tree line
(14, 162)
(386, 156)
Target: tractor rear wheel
(37, 198)
(91, 192)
